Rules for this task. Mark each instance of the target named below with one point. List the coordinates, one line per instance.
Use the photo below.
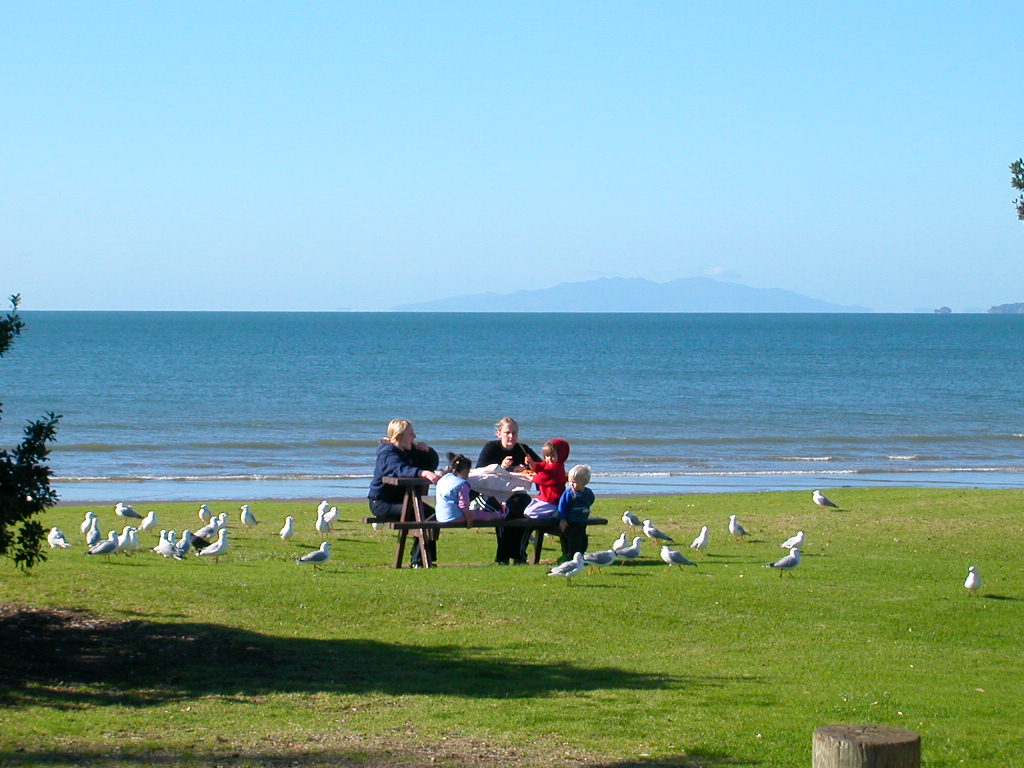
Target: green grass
(259, 661)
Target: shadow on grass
(386, 756)
(71, 659)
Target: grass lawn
(256, 660)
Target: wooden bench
(413, 519)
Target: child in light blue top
(453, 492)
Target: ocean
(165, 406)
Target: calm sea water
(171, 406)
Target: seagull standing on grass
(148, 521)
(218, 548)
(631, 520)
(185, 544)
(55, 538)
(93, 535)
(248, 518)
(796, 540)
(288, 529)
(105, 547)
(621, 542)
(787, 563)
(331, 516)
(569, 568)
(87, 523)
(205, 514)
(672, 557)
(701, 542)
(129, 541)
(737, 530)
(125, 510)
(599, 559)
(321, 508)
(654, 534)
(318, 556)
(973, 582)
(322, 526)
(823, 501)
(166, 547)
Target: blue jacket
(574, 507)
(392, 462)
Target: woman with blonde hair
(399, 455)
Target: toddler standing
(574, 511)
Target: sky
(342, 155)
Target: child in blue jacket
(574, 511)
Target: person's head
(508, 432)
(579, 476)
(401, 434)
(548, 451)
(556, 450)
(459, 464)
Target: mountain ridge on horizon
(634, 294)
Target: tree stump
(866, 746)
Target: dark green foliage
(24, 476)
(1017, 182)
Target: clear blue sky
(273, 155)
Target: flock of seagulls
(210, 540)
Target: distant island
(1007, 309)
(623, 294)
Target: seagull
(166, 547)
(124, 510)
(973, 582)
(569, 568)
(701, 542)
(129, 540)
(317, 556)
(632, 552)
(87, 523)
(787, 563)
(222, 520)
(620, 542)
(93, 535)
(105, 547)
(736, 529)
(248, 518)
(599, 559)
(288, 530)
(822, 500)
(322, 525)
(185, 544)
(321, 508)
(148, 521)
(797, 540)
(654, 534)
(631, 520)
(218, 548)
(208, 530)
(204, 513)
(331, 516)
(672, 557)
(56, 539)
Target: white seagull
(701, 542)
(672, 557)
(569, 568)
(208, 530)
(796, 540)
(129, 540)
(317, 556)
(218, 548)
(125, 510)
(321, 508)
(166, 547)
(632, 552)
(787, 563)
(248, 518)
(654, 534)
(106, 547)
(204, 513)
(148, 521)
(331, 516)
(185, 544)
(600, 559)
(631, 520)
(621, 542)
(87, 523)
(322, 525)
(736, 529)
(93, 535)
(822, 500)
(973, 582)
(288, 529)
(55, 538)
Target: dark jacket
(493, 453)
(392, 462)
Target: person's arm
(564, 503)
(491, 453)
(463, 504)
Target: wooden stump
(866, 746)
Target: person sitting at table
(508, 453)
(399, 455)
(550, 478)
